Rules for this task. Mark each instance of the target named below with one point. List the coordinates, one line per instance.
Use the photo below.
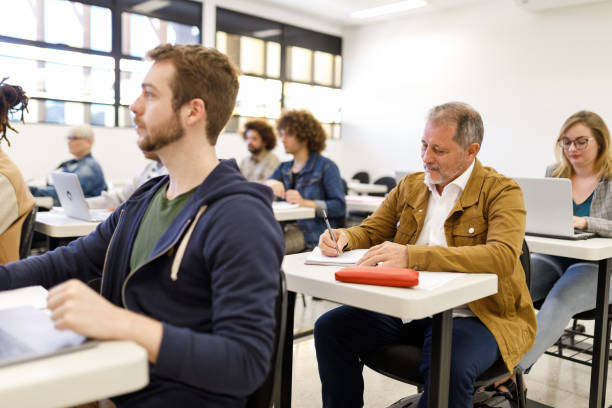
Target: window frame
(117, 8)
(289, 36)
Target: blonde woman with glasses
(569, 285)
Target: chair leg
(520, 387)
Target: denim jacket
(320, 181)
(89, 173)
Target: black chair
(268, 394)
(401, 361)
(27, 232)
(344, 186)
(385, 181)
(362, 176)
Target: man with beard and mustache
(260, 139)
(188, 267)
(456, 216)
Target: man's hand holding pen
(326, 244)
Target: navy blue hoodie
(215, 299)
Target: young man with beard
(260, 139)
(189, 264)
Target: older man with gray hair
(80, 141)
(456, 216)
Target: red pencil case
(381, 276)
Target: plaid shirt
(599, 220)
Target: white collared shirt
(438, 209)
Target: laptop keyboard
(11, 346)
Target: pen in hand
(329, 229)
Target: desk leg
(439, 371)
(53, 243)
(287, 374)
(601, 347)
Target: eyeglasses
(71, 137)
(580, 143)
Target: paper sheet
(346, 259)
(433, 280)
(283, 205)
(35, 296)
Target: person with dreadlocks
(16, 202)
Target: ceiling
(339, 11)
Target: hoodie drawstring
(180, 252)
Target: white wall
(525, 73)
(37, 149)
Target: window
(282, 67)
(74, 76)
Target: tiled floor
(552, 381)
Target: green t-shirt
(156, 220)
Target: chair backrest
(385, 181)
(27, 232)
(344, 186)
(362, 176)
(526, 262)
(268, 394)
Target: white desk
(595, 249)
(292, 214)
(362, 188)
(404, 303)
(108, 369)
(363, 203)
(57, 225)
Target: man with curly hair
(310, 179)
(260, 140)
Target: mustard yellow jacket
(484, 232)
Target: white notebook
(346, 259)
(26, 330)
(283, 205)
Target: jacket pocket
(470, 232)
(406, 229)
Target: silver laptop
(549, 208)
(71, 197)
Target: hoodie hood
(221, 184)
